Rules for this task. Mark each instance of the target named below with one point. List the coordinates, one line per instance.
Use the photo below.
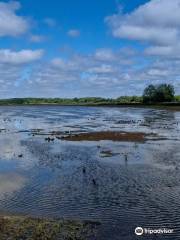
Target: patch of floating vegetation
(48, 139)
(108, 135)
(108, 153)
(13, 228)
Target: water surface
(120, 184)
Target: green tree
(165, 93)
(158, 93)
(149, 94)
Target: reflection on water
(9, 183)
(120, 184)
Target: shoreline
(136, 105)
(158, 107)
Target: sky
(77, 48)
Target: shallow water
(137, 184)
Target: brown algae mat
(108, 135)
(16, 228)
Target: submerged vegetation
(43, 229)
(153, 94)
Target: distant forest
(154, 94)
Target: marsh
(119, 167)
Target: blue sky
(83, 48)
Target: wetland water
(121, 182)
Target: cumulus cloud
(123, 56)
(156, 22)
(103, 68)
(158, 72)
(80, 74)
(8, 56)
(15, 69)
(171, 51)
(73, 33)
(12, 24)
(88, 75)
(105, 54)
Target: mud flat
(13, 227)
(109, 135)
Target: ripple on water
(121, 193)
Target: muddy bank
(108, 135)
(42, 229)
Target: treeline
(80, 101)
(153, 94)
(72, 101)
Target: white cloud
(123, 56)
(58, 62)
(157, 72)
(157, 22)
(81, 74)
(8, 56)
(105, 54)
(103, 68)
(86, 75)
(37, 38)
(149, 34)
(50, 22)
(73, 33)
(12, 24)
(171, 51)
(67, 65)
